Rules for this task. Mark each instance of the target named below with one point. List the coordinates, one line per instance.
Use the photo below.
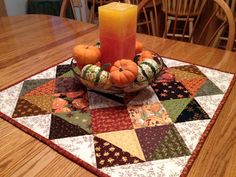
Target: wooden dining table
(32, 43)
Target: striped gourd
(95, 74)
(147, 71)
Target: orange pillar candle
(117, 27)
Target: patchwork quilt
(150, 133)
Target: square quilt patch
(110, 119)
(148, 115)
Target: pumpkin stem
(120, 69)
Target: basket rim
(115, 88)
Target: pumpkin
(123, 72)
(85, 54)
(94, 75)
(138, 47)
(145, 54)
(147, 71)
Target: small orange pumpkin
(123, 72)
(138, 47)
(85, 54)
(145, 54)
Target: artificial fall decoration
(85, 54)
(123, 72)
(138, 47)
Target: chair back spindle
(191, 20)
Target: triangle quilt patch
(172, 145)
(193, 111)
(62, 69)
(25, 108)
(44, 89)
(61, 129)
(193, 85)
(81, 119)
(175, 106)
(40, 124)
(42, 101)
(190, 68)
(29, 85)
(181, 75)
(150, 137)
(208, 88)
(108, 155)
(127, 140)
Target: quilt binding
(98, 172)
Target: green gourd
(96, 75)
(147, 71)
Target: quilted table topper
(150, 133)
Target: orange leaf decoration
(80, 103)
(79, 93)
(60, 110)
(59, 103)
(123, 72)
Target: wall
(15, 7)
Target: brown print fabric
(67, 84)
(25, 108)
(150, 137)
(108, 155)
(43, 101)
(62, 69)
(170, 90)
(193, 111)
(60, 129)
(29, 85)
(193, 85)
(110, 119)
(45, 89)
(190, 68)
(172, 145)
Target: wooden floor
(23, 155)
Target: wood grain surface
(32, 42)
(29, 44)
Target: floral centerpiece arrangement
(119, 63)
(124, 75)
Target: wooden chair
(88, 14)
(200, 25)
(94, 8)
(221, 38)
(79, 9)
(147, 16)
(179, 10)
(3, 11)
